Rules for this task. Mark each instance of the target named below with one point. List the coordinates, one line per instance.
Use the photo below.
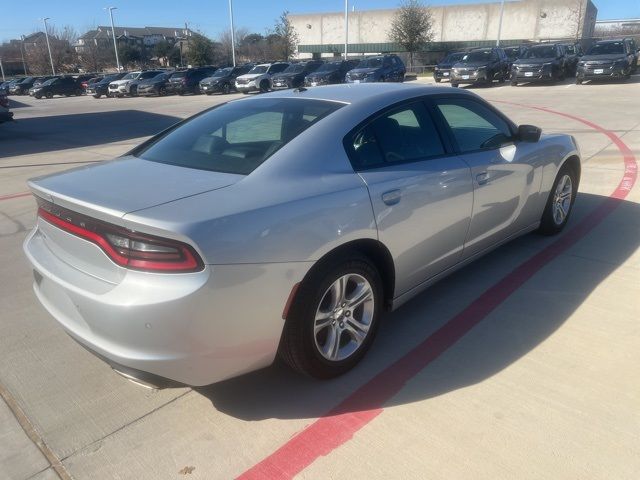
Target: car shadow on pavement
(13, 103)
(60, 132)
(534, 312)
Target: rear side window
(474, 126)
(238, 136)
(406, 134)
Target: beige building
(454, 26)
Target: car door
(506, 173)
(421, 194)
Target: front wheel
(578, 81)
(97, 95)
(48, 95)
(454, 85)
(560, 202)
(264, 86)
(334, 317)
(226, 88)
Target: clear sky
(208, 16)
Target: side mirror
(528, 133)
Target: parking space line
(342, 422)
(14, 195)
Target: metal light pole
(113, 33)
(500, 23)
(2, 70)
(233, 36)
(46, 34)
(346, 27)
(24, 64)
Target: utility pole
(500, 23)
(2, 70)
(46, 35)
(346, 27)
(186, 34)
(113, 33)
(233, 36)
(24, 64)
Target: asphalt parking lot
(525, 364)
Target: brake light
(129, 249)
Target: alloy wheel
(562, 199)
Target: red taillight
(126, 248)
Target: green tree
(286, 38)
(129, 55)
(200, 51)
(412, 27)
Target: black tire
(578, 81)
(226, 88)
(38, 96)
(454, 85)
(162, 91)
(133, 91)
(264, 86)
(48, 95)
(548, 224)
(514, 83)
(78, 92)
(97, 95)
(298, 346)
(437, 80)
(503, 78)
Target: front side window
(474, 126)
(238, 136)
(406, 134)
(478, 56)
(609, 48)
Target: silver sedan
(285, 225)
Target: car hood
(321, 74)
(286, 75)
(214, 79)
(603, 58)
(364, 70)
(125, 185)
(470, 64)
(533, 61)
(121, 82)
(250, 76)
(144, 83)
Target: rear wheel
(133, 91)
(334, 317)
(97, 95)
(514, 83)
(437, 80)
(264, 86)
(162, 91)
(48, 95)
(578, 81)
(226, 88)
(560, 202)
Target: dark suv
(513, 53)
(101, 88)
(443, 69)
(381, 68)
(608, 59)
(156, 85)
(543, 62)
(224, 79)
(330, 73)
(66, 86)
(188, 81)
(22, 87)
(481, 66)
(293, 76)
(572, 53)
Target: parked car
(233, 250)
(155, 86)
(188, 81)
(128, 85)
(86, 83)
(381, 68)
(66, 86)
(22, 87)
(41, 80)
(607, 59)
(293, 76)
(331, 72)
(632, 47)
(515, 52)
(542, 62)
(224, 79)
(259, 77)
(572, 52)
(6, 115)
(442, 70)
(481, 66)
(98, 89)
(6, 85)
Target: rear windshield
(259, 69)
(540, 52)
(610, 48)
(223, 72)
(453, 57)
(238, 136)
(329, 67)
(478, 56)
(371, 63)
(295, 68)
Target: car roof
(382, 93)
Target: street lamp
(2, 70)
(46, 34)
(113, 33)
(233, 37)
(346, 27)
(500, 23)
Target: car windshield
(329, 67)
(50, 81)
(609, 48)
(453, 58)
(179, 75)
(540, 52)
(130, 76)
(371, 63)
(296, 68)
(478, 56)
(109, 78)
(161, 76)
(236, 137)
(28, 80)
(259, 69)
(145, 75)
(223, 72)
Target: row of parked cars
(613, 59)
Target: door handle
(482, 178)
(391, 197)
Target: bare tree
(412, 27)
(62, 52)
(95, 56)
(286, 39)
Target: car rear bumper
(195, 328)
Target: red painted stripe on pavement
(14, 195)
(342, 422)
